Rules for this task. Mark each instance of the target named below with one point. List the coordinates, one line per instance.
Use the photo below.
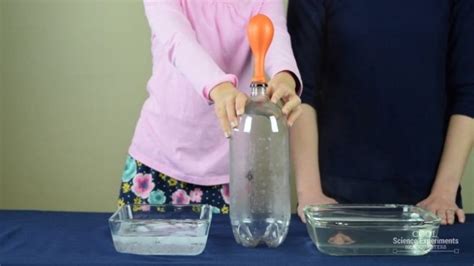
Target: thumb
(301, 215)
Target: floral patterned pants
(143, 185)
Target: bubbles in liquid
(259, 177)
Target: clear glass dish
(347, 229)
(161, 229)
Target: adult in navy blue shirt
(388, 93)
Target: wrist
(309, 193)
(295, 81)
(308, 180)
(445, 189)
(219, 89)
(289, 78)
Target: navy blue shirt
(384, 77)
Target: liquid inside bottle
(260, 170)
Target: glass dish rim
(207, 217)
(434, 219)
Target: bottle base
(255, 232)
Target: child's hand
(282, 87)
(312, 198)
(444, 207)
(228, 104)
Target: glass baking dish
(161, 229)
(347, 229)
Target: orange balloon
(260, 34)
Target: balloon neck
(259, 69)
(258, 89)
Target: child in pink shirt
(201, 75)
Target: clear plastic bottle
(260, 165)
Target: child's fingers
(240, 102)
(293, 102)
(280, 93)
(450, 216)
(424, 204)
(461, 216)
(230, 109)
(294, 115)
(442, 215)
(301, 215)
(270, 88)
(223, 120)
(430, 208)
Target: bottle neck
(258, 89)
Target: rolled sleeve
(305, 25)
(461, 60)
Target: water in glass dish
(374, 239)
(162, 237)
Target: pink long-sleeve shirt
(197, 44)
